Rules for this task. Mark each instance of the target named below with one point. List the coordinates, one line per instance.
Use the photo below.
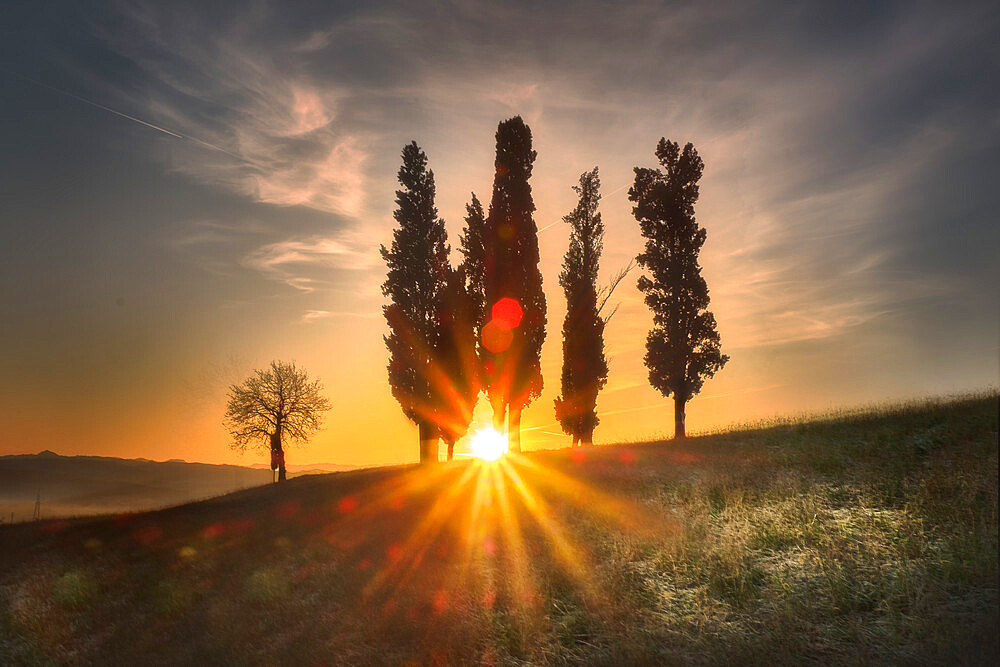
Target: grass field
(868, 537)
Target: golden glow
(488, 445)
(478, 527)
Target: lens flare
(497, 336)
(508, 311)
(488, 445)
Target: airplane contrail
(549, 225)
(132, 118)
(615, 191)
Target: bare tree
(272, 405)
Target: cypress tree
(456, 360)
(415, 284)
(513, 337)
(585, 369)
(473, 251)
(683, 347)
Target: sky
(189, 190)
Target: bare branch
(279, 395)
(605, 292)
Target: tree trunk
(499, 413)
(576, 440)
(514, 429)
(587, 439)
(679, 417)
(278, 455)
(428, 442)
(451, 450)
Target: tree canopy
(415, 283)
(273, 405)
(456, 361)
(584, 369)
(473, 249)
(513, 281)
(683, 347)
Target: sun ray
(575, 561)
(513, 546)
(625, 514)
(409, 555)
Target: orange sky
(147, 264)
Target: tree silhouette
(415, 284)
(272, 405)
(513, 337)
(457, 360)
(473, 249)
(584, 370)
(682, 348)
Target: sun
(488, 445)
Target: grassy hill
(862, 538)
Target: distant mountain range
(80, 485)
(312, 467)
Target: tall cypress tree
(516, 330)
(683, 347)
(473, 249)
(415, 284)
(585, 369)
(457, 363)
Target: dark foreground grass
(865, 538)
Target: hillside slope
(81, 485)
(866, 538)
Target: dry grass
(865, 537)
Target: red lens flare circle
(509, 311)
(497, 336)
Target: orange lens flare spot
(509, 311)
(348, 504)
(145, 536)
(497, 336)
(489, 598)
(287, 509)
(627, 456)
(214, 530)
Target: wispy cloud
(296, 262)
(281, 140)
(807, 240)
(515, 95)
(206, 232)
(311, 316)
